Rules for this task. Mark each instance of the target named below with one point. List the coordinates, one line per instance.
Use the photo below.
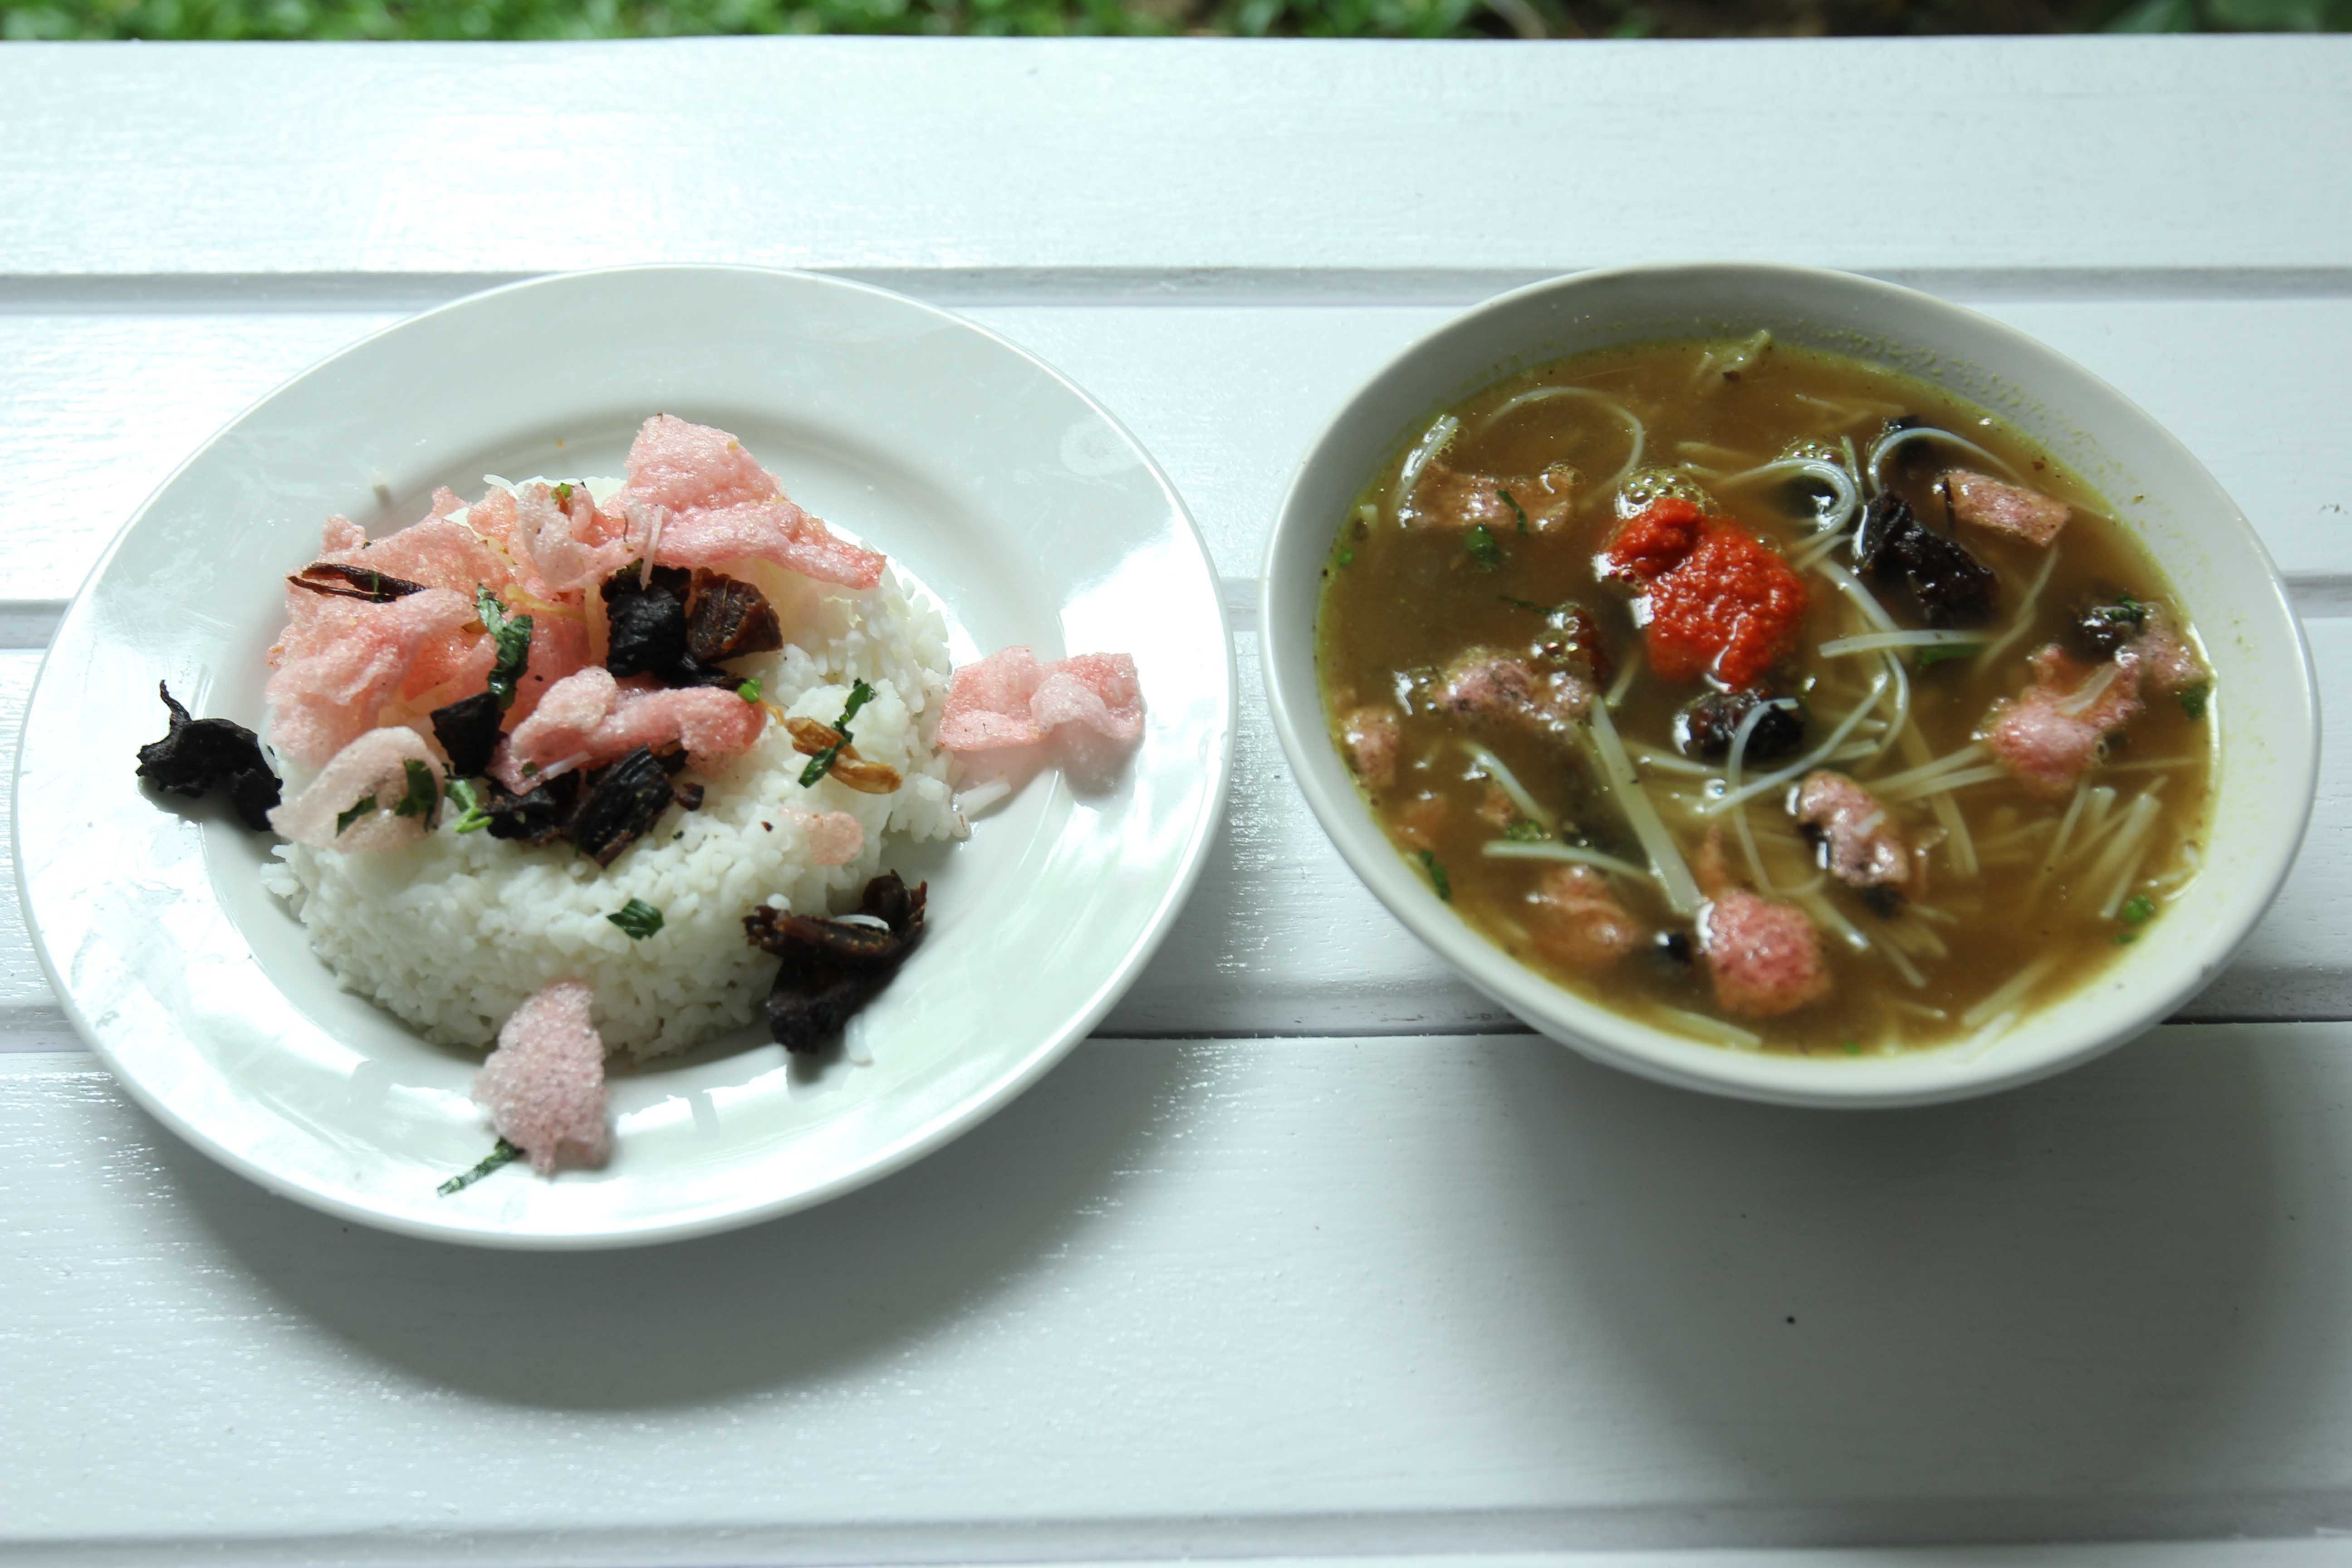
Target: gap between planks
(1083, 287)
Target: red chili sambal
(1715, 600)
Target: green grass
(478, 19)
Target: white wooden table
(1314, 1255)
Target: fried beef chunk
(726, 619)
(649, 629)
(468, 731)
(621, 804)
(832, 968)
(361, 583)
(1953, 588)
(602, 812)
(1709, 723)
(679, 625)
(199, 754)
(538, 817)
(2096, 631)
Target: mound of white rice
(453, 933)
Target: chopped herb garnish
(343, 819)
(1346, 556)
(1480, 543)
(2137, 911)
(2193, 699)
(529, 769)
(2126, 937)
(748, 691)
(424, 796)
(502, 1154)
(1437, 877)
(1525, 604)
(1938, 653)
(1517, 510)
(1853, 1048)
(563, 494)
(638, 918)
(472, 818)
(822, 764)
(511, 634)
(1522, 831)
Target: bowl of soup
(1781, 683)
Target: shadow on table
(2137, 1285)
(784, 1303)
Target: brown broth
(1400, 603)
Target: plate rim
(931, 1136)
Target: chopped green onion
(471, 817)
(1346, 556)
(1517, 510)
(424, 797)
(2193, 699)
(638, 918)
(343, 819)
(1522, 831)
(1853, 1048)
(2126, 937)
(1938, 653)
(1483, 549)
(1437, 877)
(503, 1153)
(2137, 911)
(748, 691)
(563, 494)
(822, 764)
(512, 636)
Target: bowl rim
(1917, 1078)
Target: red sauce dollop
(1715, 599)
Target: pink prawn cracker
(545, 1084)
(1010, 699)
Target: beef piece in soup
(2101, 628)
(1950, 586)
(1765, 958)
(1371, 739)
(2051, 734)
(1485, 687)
(2169, 662)
(1449, 499)
(1860, 844)
(1804, 710)
(1979, 501)
(1712, 721)
(1578, 923)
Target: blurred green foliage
(463, 19)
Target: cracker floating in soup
(1769, 695)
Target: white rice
(453, 933)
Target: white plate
(1023, 507)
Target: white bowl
(2265, 701)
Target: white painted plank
(1280, 938)
(1169, 157)
(98, 406)
(1212, 1299)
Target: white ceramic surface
(1017, 501)
(2265, 702)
